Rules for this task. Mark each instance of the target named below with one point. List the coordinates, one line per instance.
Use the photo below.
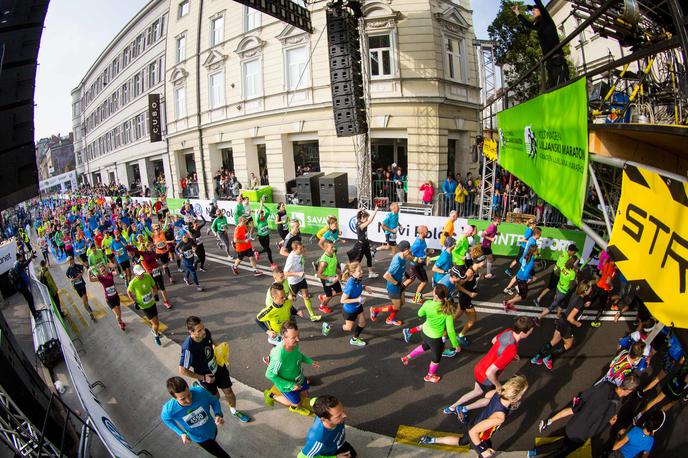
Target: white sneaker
(373, 275)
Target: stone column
(280, 163)
(427, 151)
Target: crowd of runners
(135, 248)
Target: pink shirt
(428, 191)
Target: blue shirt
(526, 235)
(196, 420)
(446, 281)
(353, 289)
(120, 250)
(449, 186)
(444, 262)
(80, 246)
(321, 441)
(637, 443)
(418, 248)
(526, 270)
(391, 221)
(397, 267)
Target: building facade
(110, 106)
(251, 94)
(55, 155)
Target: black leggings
(265, 244)
(211, 446)
(359, 250)
(560, 448)
(598, 298)
(200, 256)
(436, 347)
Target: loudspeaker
(334, 191)
(307, 190)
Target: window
(252, 84)
(297, 60)
(125, 57)
(217, 30)
(139, 126)
(153, 74)
(456, 59)
(126, 133)
(183, 8)
(115, 134)
(181, 48)
(140, 44)
(138, 88)
(216, 89)
(380, 55)
(125, 93)
(179, 103)
(156, 30)
(252, 19)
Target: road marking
(99, 311)
(410, 435)
(161, 326)
(585, 451)
(481, 306)
(76, 309)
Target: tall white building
(110, 105)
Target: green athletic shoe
(268, 399)
(242, 417)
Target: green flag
(544, 142)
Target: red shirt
(98, 238)
(503, 351)
(608, 271)
(108, 283)
(240, 236)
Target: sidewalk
(134, 371)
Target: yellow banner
(650, 242)
(490, 149)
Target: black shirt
(186, 248)
(591, 415)
(281, 216)
(361, 233)
(545, 28)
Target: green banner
(552, 242)
(175, 205)
(544, 142)
(312, 218)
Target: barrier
(8, 254)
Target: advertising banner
(650, 242)
(8, 254)
(544, 142)
(490, 149)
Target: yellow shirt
(447, 229)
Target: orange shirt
(240, 236)
(608, 272)
(160, 242)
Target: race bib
(110, 291)
(161, 245)
(157, 272)
(329, 281)
(78, 281)
(120, 252)
(212, 365)
(188, 254)
(196, 418)
(147, 298)
(199, 241)
(392, 237)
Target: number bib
(392, 237)
(110, 291)
(156, 272)
(188, 254)
(147, 298)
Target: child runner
(263, 231)
(416, 268)
(362, 246)
(489, 236)
(439, 313)
(395, 287)
(565, 280)
(296, 276)
(352, 302)
(327, 273)
(243, 248)
(523, 276)
(104, 277)
(329, 233)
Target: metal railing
(392, 190)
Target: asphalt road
(378, 391)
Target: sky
(77, 31)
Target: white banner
(8, 255)
(408, 226)
(104, 426)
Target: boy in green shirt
(327, 273)
(263, 231)
(143, 292)
(566, 278)
(554, 277)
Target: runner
(327, 273)
(296, 276)
(463, 245)
(294, 235)
(448, 229)
(284, 371)
(468, 290)
(103, 276)
(443, 264)
(623, 364)
(504, 350)
(523, 241)
(149, 261)
(564, 256)
(162, 249)
(395, 287)
(673, 358)
(277, 311)
(186, 247)
(602, 290)
(195, 231)
(489, 235)
(188, 414)
(416, 268)
(143, 292)
(80, 248)
(263, 231)
(281, 220)
(244, 249)
(523, 277)
(220, 227)
(327, 437)
(390, 225)
(639, 440)
(564, 327)
(591, 412)
(439, 313)
(565, 280)
(198, 352)
(43, 245)
(362, 246)
(352, 303)
(479, 434)
(674, 390)
(75, 273)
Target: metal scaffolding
(364, 195)
(19, 434)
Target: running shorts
(295, 396)
(435, 345)
(394, 292)
(245, 253)
(163, 257)
(522, 288)
(295, 288)
(553, 280)
(487, 250)
(83, 258)
(564, 327)
(417, 271)
(222, 381)
(112, 301)
(159, 281)
(352, 316)
(111, 257)
(559, 299)
(330, 290)
(465, 302)
(125, 265)
(151, 312)
(80, 289)
(391, 239)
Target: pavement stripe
(481, 306)
(161, 326)
(68, 296)
(584, 452)
(410, 435)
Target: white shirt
(294, 264)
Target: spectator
(253, 181)
(460, 198)
(185, 192)
(427, 190)
(449, 188)
(399, 181)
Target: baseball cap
(573, 247)
(404, 245)
(449, 241)
(138, 270)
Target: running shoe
(167, 305)
(596, 324)
(449, 353)
(186, 280)
(274, 340)
(426, 440)
(202, 269)
(156, 338)
(300, 410)
(199, 288)
(268, 399)
(373, 275)
(324, 309)
(462, 414)
(241, 416)
(464, 341)
(405, 360)
(394, 322)
(373, 251)
(507, 307)
(432, 378)
(548, 363)
(122, 326)
(407, 335)
(179, 270)
(273, 266)
(373, 314)
(257, 273)
(315, 266)
(316, 317)
(235, 269)
(355, 341)
(537, 360)
(536, 301)
(544, 424)
(508, 272)
(266, 360)
(322, 297)
(451, 410)
(326, 328)
(418, 298)
(256, 255)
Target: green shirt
(219, 224)
(459, 252)
(561, 261)
(239, 212)
(274, 316)
(565, 278)
(330, 269)
(105, 244)
(262, 227)
(143, 290)
(284, 369)
(436, 322)
(96, 257)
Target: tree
(517, 50)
